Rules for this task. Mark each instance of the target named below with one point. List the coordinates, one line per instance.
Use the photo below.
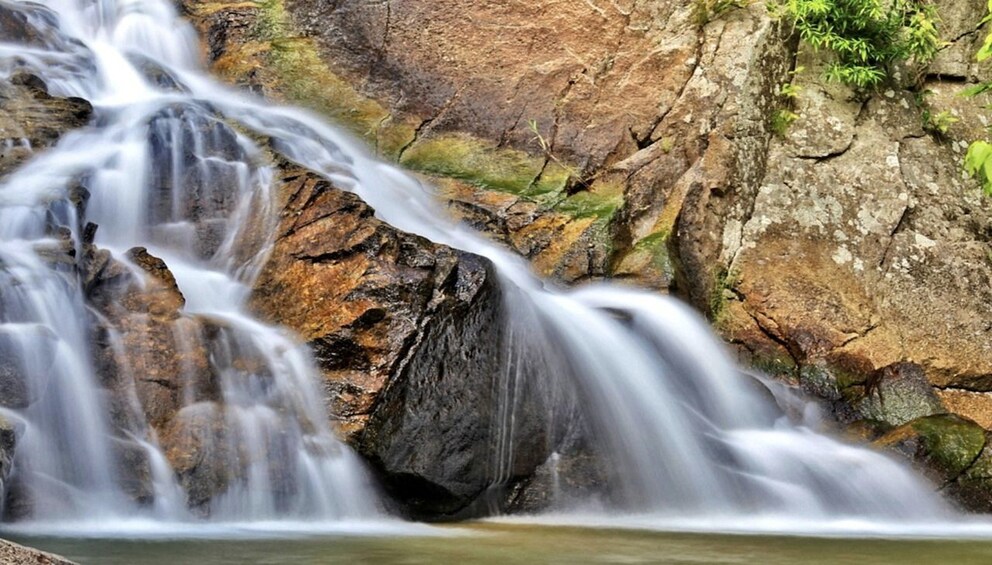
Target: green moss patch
(951, 441)
(650, 259)
(474, 161)
(304, 78)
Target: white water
(164, 173)
(691, 441)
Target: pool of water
(502, 544)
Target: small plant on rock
(978, 161)
(865, 37)
(938, 124)
(783, 117)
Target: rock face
(143, 362)
(379, 308)
(32, 119)
(844, 254)
(13, 553)
(409, 335)
(863, 248)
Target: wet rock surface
(893, 396)
(845, 254)
(409, 335)
(31, 119)
(946, 446)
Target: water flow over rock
(141, 386)
(682, 432)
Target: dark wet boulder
(411, 342)
(944, 446)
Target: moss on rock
(649, 261)
(480, 163)
(947, 444)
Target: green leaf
(978, 153)
(986, 51)
(976, 89)
(978, 164)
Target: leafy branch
(978, 160)
(865, 37)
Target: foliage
(866, 36)
(724, 283)
(978, 164)
(938, 123)
(789, 90)
(783, 117)
(986, 51)
(978, 160)
(534, 128)
(546, 148)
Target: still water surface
(504, 544)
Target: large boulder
(564, 143)
(410, 338)
(891, 397)
(947, 446)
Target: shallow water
(513, 543)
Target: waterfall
(687, 436)
(163, 173)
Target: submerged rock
(574, 477)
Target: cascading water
(687, 435)
(162, 173)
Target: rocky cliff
(845, 254)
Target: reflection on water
(504, 544)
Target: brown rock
(30, 119)
(830, 247)
(408, 335)
(847, 246)
(975, 406)
(596, 131)
(13, 553)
